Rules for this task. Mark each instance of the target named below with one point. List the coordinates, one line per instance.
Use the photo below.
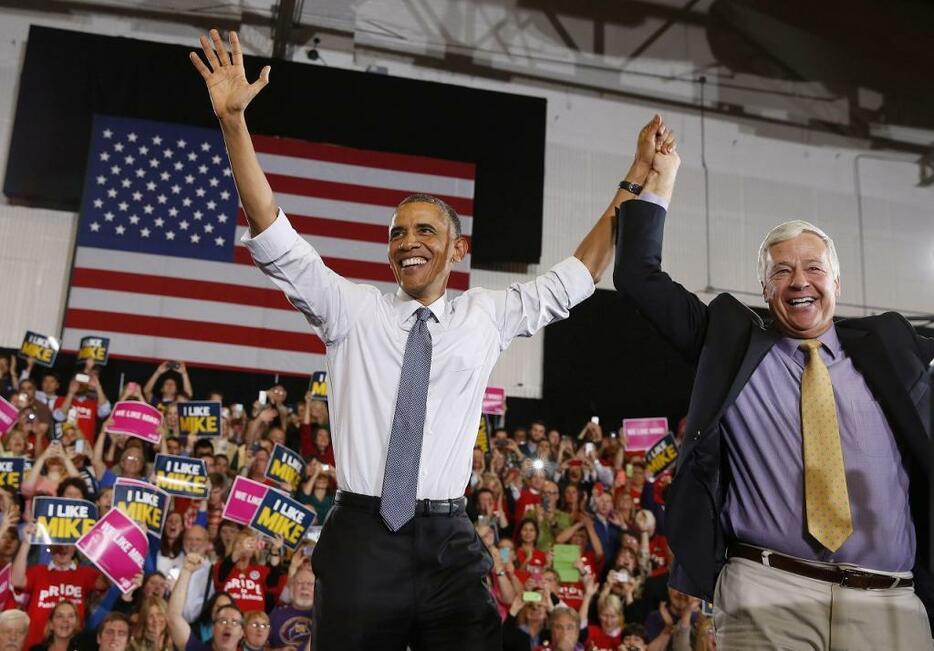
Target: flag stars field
(168, 274)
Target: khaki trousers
(759, 607)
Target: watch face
(634, 188)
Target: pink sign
(643, 433)
(117, 546)
(245, 497)
(136, 419)
(494, 401)
(5, 583)
(8, 415)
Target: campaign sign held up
(245, 497)
(494, 401)
(42, 348)
(95, 348)
(318, 386)
(60, 520)
(117, 546)
(136, 419)
(11, 472)
(8, 415)
(285, 465)
(144, 503)
(643, 433)
(280, 515)
(661, 456)
(200, 417)
(181, 476)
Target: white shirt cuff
(576, 278)
(651, 197)
(274, 242)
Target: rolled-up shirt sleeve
(528, 307)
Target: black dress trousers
(422, 587)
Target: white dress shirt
(365, 332)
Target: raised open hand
(225, 76)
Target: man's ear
(460, 249)
(836, 285)
(765, 295)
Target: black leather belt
(422, 507)
(840, 575)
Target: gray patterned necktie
(400, 479)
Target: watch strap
(633, 188)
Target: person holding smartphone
(85, 404)
(168, 390)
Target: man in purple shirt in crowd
(290, 624)
(800, 503)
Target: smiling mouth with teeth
(413, 262)
(802, 301)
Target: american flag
(159, 267)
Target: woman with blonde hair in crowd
(608, 634)
(14, 444)
(62, 628)
(256, 629)
(151, 633)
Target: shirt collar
(55, 568)
(830, 343)
(406, 306)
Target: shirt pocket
(869, 429)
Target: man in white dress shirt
(398, 562)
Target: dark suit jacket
(726, 341)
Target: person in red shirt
(608, 634)
(526, 553)
(530, 497)
(251, 585)
(62, 579)
(82, 407)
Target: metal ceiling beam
(287, 15)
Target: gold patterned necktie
(827, 503)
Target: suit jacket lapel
(761, 340)
(869, 358)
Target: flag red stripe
(360, 270)
(221, 333)
(364, 158)
(337, 228)
(354, 193)
(201, 290)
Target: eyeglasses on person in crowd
(224, 621)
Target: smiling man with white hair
(800, 502)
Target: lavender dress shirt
(765, 496)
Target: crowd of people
(212, 583)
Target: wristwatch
(634, 188)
